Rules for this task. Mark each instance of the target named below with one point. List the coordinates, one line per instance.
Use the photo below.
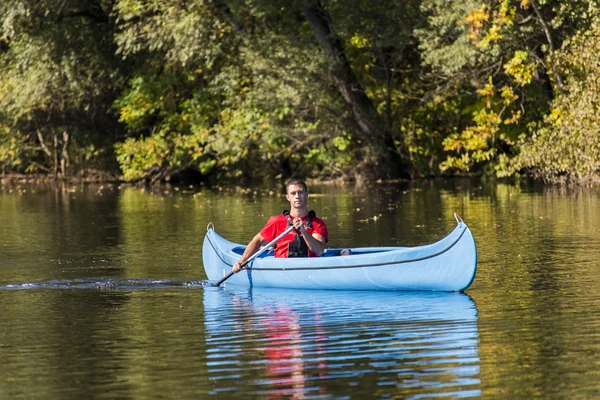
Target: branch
(43, 144)
(544, 25)
(39, 166)
(546, 30)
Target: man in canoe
(307, 239)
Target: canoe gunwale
(219, 252)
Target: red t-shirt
(277, 224)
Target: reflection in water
(293, 343)
(282, 348)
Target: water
(104, 296)
(322, 344)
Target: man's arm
(252, 248)
(315, 243)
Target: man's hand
(298, 225)
(236, 267)
(315, 242)
(252, 248)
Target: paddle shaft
(252, 257)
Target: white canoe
(447, 265)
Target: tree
(58, 76)
(221, 96)
(378, 160)
(504, 51)
(565, 146)
(288, 92)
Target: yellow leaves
(493, 35)
(514, 118)
(488, 89)
(508, 95)
(517, 67)
(506, 14)
(474, 144)
(555, 118)
(490, 119)
(474, 138)
(452, 142)
(359, 41)
(476, 20)
(129, 114)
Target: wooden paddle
(262, 250)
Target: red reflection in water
(286, 367)
(287, 372)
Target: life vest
(298, 247)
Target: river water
(103, 295)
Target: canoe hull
(447, 265)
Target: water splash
(104, 284)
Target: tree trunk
(64, 159)
(380, 157)
(55, 156)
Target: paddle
(242, 265)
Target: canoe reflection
(304, 343)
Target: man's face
(296, 195)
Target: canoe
(446, 265)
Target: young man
(306, 240)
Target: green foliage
(446, 39)
(12, 150)
(162, 155)
(183, 33)
(57, 75)
(172, 112)
(242, 89)
(254, 103)
(424, 129)
(565, 146)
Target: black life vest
(299, 248)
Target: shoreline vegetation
(100, 177)
(152, 92)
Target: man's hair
(295, 181)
